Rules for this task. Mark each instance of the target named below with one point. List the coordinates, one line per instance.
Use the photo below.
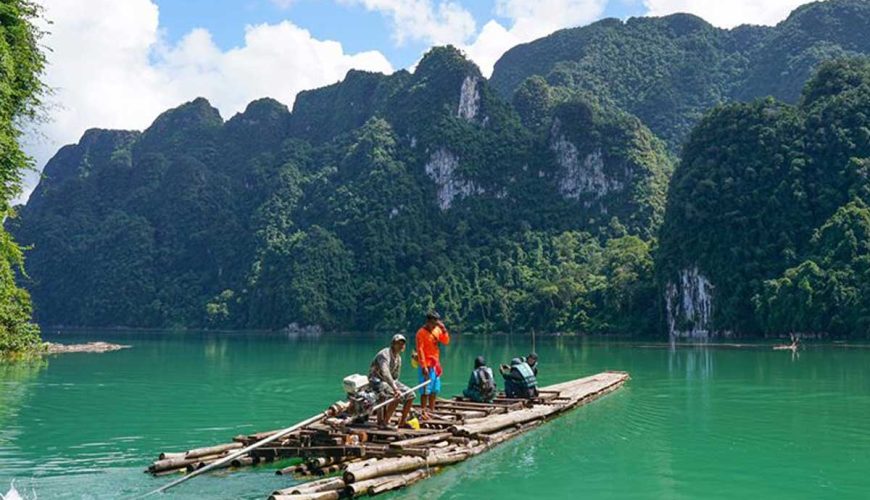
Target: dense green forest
(539, 200)
(21, 63)
(429, 192)
(770, 206)
(670, 71)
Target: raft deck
(362, 460)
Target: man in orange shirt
(428, 357)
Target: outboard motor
(360, 396)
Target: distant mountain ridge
(670, 70)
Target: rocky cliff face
(469, 99)
(442, 169)
(582, 177)
(689, 305)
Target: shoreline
(89, 347)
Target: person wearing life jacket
(532, 361)
(429, 337)
(519, 380)
(384, 380)
(481, 385)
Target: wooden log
(316, 463)
(400, 482)
(169, 471)
(171, 463)
(383, 483)
(431, 438)
(361, 488)
(324, 495)
(321, 485)
(262, 435)
(343, 452)
(401, 433)
(387, 451)
(439, 421)
(212, 450)
(243, 461)
(287, 470)
(200, 464)
(383, 467)
(170, 454)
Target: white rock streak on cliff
(441, 168)
(469, 99)
(689, 305)
(578, 177)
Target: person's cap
(532, 355)
(433, 315)
(479, 361)
(399, 338)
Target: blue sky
(352, 25)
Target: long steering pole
(267, 440)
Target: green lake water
(691, 423)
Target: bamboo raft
(353, 460)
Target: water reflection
(695, 363)
(16, 380)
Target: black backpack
(486, 383)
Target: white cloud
(276, 60)
(727, 14)
(531, 19)
(447, 22)
(109, 68)
(283, 4)
(423, 21)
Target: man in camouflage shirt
(384, 379)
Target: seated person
(519, 380)
(384, 380)
(532, 361)
(481, 385)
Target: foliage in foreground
(21, 63)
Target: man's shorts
(433, 387)
(386, 392)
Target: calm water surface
(692, 422)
